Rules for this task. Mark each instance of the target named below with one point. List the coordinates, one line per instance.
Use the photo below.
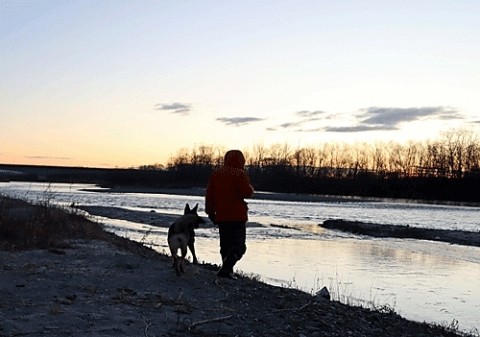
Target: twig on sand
(180, 295)
(147, 326)
(206, 321)
(223, 289)
(294, 309)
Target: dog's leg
(182, 259)
(191, 246)
(175, 260)
(172, 251)
(178, 267)
(176, 264)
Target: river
(421, 280)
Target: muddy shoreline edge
(458, 237)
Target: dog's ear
(194, 210)
(187, 209)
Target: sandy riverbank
(95, 283)
(458, 237)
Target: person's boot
(226, 271)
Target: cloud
(310, 115)
(290, 125)
(390, 118)
(174, 108)
(48, 157)
(358, 128)
(238, 121)
(310, 130)
(369, 119)
(302, 117)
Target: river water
(421, 280)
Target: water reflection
(420, 286)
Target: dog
(181, 234)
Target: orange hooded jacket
(227, 188)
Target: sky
(120, 83)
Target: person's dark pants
(232, 243)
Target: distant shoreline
(199, 191)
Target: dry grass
(26, 226)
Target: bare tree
(472, 157)
(279, 154)
(181, 158)
(456, 142)
(310, 161)
(258, 155)
(379, 158)
(403, 158)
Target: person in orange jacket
(225, 205)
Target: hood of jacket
(234, 158)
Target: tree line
(447, 168)
(455, 155)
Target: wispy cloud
(359, 128)
(391, 118)
(174, 108)
(289, 125)
(238, 121)
(311, 115)
(302, 118)
(48, 157)
(369, 119)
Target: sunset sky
(125, 83)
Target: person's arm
(210, 200)
(245, 188)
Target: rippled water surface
(421, 280)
